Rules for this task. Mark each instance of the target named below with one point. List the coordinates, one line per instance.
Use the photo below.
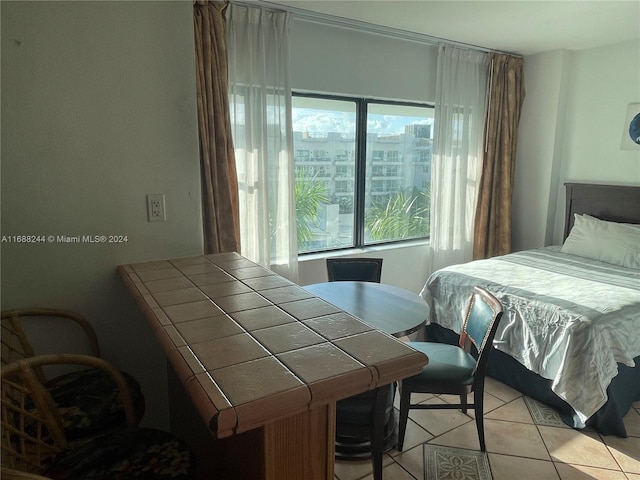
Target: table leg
(377, 435)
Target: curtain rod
(351, 24)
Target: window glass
(324, 139)
(350, 195)
(398, 168)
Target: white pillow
(609, 242)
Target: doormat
(447, 463)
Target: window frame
(360, 165)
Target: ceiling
(517, 26)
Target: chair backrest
(354, 269)
(31, 425)
(480, 325)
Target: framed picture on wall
(631, 130)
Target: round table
(387, 308)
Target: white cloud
(306, 120)
(320, 121)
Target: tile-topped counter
(251, 348)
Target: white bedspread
(567, 318)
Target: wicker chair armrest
(10, 474)
(33, 363)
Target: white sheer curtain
(260, 101)
(457, 153)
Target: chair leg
(463, 402)
(405, 400)
(377, 436)
(479, 412)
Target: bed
(570, 336)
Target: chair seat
(447, 364)
(134, 453)
(89, 402)
(452, 370)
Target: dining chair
(34, 441)
(363, 422)
(354, 269)
(453, 369)
(85, 397)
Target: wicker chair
(34, 442)
(84, 397)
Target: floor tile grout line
(393, 456)
(611, 453)
(600, 439)
(471, 419)
(402, 467)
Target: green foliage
(310, 194)
(405, 215)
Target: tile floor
(525, 441)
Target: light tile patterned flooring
(525, 441)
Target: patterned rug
(447, 463)
(543, 414)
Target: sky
(323, 121)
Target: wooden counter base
(294, 448)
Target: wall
(337, 60)
(539, 149)
(98, 110)
(570, 131)
(603, 82)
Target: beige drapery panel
(217, 160)
(492, 228)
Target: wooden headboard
(614, 203)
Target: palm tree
(310, 194)
(405, 215)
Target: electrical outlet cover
(155, 207)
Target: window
(372, 187)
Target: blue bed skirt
(622, 392)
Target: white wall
(570, 131)
(337, 60)
(539, 150)
(98, 110)
(603, 82)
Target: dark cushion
(134, 453)
(447, 364)
(89, 402)
(358, 410)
